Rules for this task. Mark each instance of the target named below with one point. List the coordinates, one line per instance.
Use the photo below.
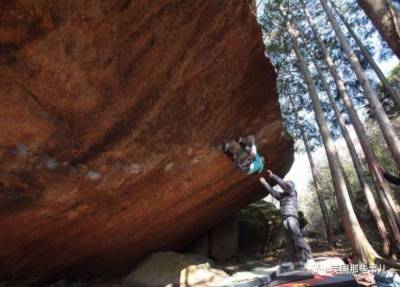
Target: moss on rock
(261, 228)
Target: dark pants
(295, 241)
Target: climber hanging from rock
(288, 204)
(243, 152)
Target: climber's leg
(290, 244)
(298, 239)
(249, 144)
(244, 153)
(232, 149)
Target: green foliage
(379, 145)
(394, 77)
(273, 19)
(260, 228)
(260, 212)
(387, 102)
(310, 202)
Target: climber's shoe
(247, 141)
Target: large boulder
(112, 114)
(224, 239)
(261, 228)
(199, 246)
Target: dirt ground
(240, 262)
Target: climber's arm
(274, 193)
(253, 149)
(283, 184)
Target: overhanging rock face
(111, 116)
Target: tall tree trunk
(386, 126)
(361, 248)
(386, 20)
(333, 205)
(373, 207)
(385, 83)
(384, 192)
(318, 190)
(349, 189)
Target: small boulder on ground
(174, 269)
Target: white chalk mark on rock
(135, 168)
(93, 175)
(169, 166)
(21, 150)
(51, 163)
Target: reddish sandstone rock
(111, 116)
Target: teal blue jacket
(257, 165)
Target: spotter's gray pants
(294, 239)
